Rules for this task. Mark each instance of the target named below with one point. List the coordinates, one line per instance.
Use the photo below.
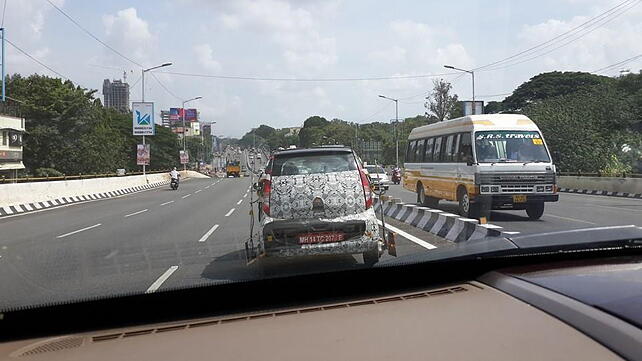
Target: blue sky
(312, 39)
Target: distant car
(318, 201)
(378, 176)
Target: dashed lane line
(200, 190)
(159, 282)
(239, 202)
(208, 233)
(135, 213)
(245, 195)
(185, 196)
(409, 236)
(80, 230)
(162, 204)
(230, 212)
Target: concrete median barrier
(607, 186)
(27, 197)
(446, 225)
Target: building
(116, 95)
(11, 131)
(164, 114)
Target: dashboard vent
(231, 319)
(51, 345)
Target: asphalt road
(572, 211)
(146, 242)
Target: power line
(599, 25)
(563, 35)
(622, 62)
(165, 88)
(92, 35)
(234, 77)
(36, 60)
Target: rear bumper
(280, 237)
(505, 201)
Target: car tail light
(367, 192)
(267, 189)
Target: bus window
(456, 148)
(436, 154)
(448, 150)
(410, 155)
(419, 151)
(428, 153)
(465, 148)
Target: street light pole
(184, 136)
(142, 93)
(472, 73)
(396, 124)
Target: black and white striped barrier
(30, 207)
(446, 225)
(602, 193)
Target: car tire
(465, 207)
(535, 210)
(370, 258)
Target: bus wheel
(425, 200)
(466, 209)
(535, 210)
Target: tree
(440, 103)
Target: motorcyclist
(174, 174)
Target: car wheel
(370, 258)
(535, 210)
(466, 208)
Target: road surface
(146, 242)
(572, 211)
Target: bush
(47, 172)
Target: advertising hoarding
(142, 154)
(184, 156)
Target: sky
(316, 40)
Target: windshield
(510, 146)
(375, 170)
(305, 133)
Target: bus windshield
(510, 146)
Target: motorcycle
(174, 183)
(396, 176)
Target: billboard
(468, 107)
(191, 115)
(142, 154)
(184, 156)
(143, 118)
(176, 115)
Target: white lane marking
(245, 195)
(617, 208)
(80, 230)
(159, 282)
(230, 212)
(239, 202)
(568, 219)
(185, 196)
(209, 233)
(111, 254)
(409, 236)
(200, 190)
(511, 232)
(135, 213)
(207, 187)
(162, 204)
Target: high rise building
(116, 95)
(165, 118)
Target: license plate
(321, 237)
(519, 198)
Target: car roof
(324, 149)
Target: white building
(11, 131)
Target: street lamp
(472, 73)
(142, 78)
(396, 123)
(184, 136)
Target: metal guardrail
(72, 177)
(598, 174)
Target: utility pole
(184, 131)
(395, 129)
(472, 73)
(142, 93)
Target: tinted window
(465, 148)
(419, 151)
(326, 162)
(428, 152)
(448, 149)
(410, 156)
(456, 147)
(436, 154)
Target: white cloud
(395, 55)
(204, 56)
(129, 33)
(411, 29)
(454, 54)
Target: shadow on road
(232, 266)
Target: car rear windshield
(375, 170)
(311, 163)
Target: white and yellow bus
(484, 162)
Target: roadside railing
(598, 174)
(26, 179)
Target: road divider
(446, 225)
(603, 186)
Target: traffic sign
(143, 118)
